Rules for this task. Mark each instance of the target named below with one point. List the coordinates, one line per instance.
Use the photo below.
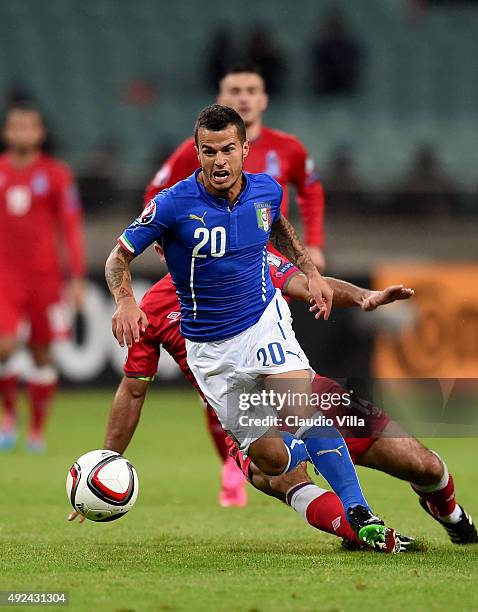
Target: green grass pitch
(178, 550)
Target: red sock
(322, 509)
(9, 395)
(40, 398)
(218, 434)
(440, 497)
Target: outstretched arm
(285, 239)
(128, 318)
(123, 419)
(347, 295)
(124, 414)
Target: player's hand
(317, 256)
(76, 293)
(128, 322)
(72, 516)
(321, 295)
(387, 296)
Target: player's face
(245, 93)
(24, 130)
(221, 155)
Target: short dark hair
(21, 105)
(239, 68)
(216, 118)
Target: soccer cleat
(372, 531)
(463, 532)
(404, 543)
(8, 439)
(233, 484)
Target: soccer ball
(102, 485)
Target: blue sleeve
(157, 218)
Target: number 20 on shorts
(273, 354)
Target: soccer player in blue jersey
(214, 228)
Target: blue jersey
(216, 253)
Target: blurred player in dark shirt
(277, 153)
(39, 212)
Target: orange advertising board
(440, 337)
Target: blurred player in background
(277, 153)
(39, 205)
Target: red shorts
(34, 304)
(375, 422)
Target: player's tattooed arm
(284, 237)
(129, 319)
(117, 273)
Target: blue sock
(330, 456)
(297, 450)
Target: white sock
(300, 499)
(454, 517)
(46, 375)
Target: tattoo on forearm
(123, 293)
(114, 275)
(284, 238)
(117, 273)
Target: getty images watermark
(289, 405)
(431, 407)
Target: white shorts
(227, 369)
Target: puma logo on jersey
(196, 218)
(331, 450)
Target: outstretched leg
(401, 455)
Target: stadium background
(120, 83)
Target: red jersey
(281, 155)
(38, 204)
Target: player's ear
(265, 102)
(197, 153)
(245, 149)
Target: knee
(41, 356)
(285, 482)
(274, 462)
(428, 468)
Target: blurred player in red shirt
(39, 209)
(281, 155)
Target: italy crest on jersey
(263, 212)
